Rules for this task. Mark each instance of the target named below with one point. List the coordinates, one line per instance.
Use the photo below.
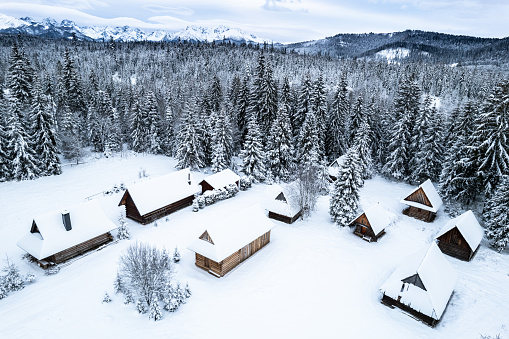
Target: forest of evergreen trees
(286, 115)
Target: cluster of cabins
(62, 235)
(421, 286)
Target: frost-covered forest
(286, 116)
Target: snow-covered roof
(379, 218)
(431, 194)
(222, 179)
(159, 192)
(87, 221)
(438, 277)
(468, 226)
(335, 165)
(291, 206)
(232, 233)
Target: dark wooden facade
(420, 197)
(364, 230)
(284, 218)
(454, 244)
(386, 300)
(131, 211)
(219, 269)
(76, 250)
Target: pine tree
(189, 153)
(458, 180)
(303, 104)
(338, 119)
(215, 95)
(106, 298)
(128, 297)
(222, 151)
(268, 99)
(12, 280)
(168, 131)
(344, 199)
(319, 105)
(153, 121)
(44, 135)
(428, 160)
(70, 88)
(309, 142)
(279, 146)
(496, 217)
(141, 306)
(155, 311)
(139, 129)
(123, 229)
(118, 284)
(491, 136)
(22, 156)
(242, 109)
(19, 76)
(5, 170)
(357, 118)
(253, 156)
(362, 144)
(71, 141)
(176, 255)
(406, 107)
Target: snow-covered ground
(312, 281)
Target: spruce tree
(19, 76)
(189, 152)
(155, 311)
(153, 120)
(362, 144)
(44, 135)
(400, 152)
(5, 171)
(496, 216)
(268, 99)
(344, 199)
(458, 179)
(303, 104)
(139, 129)
(357, 118)
(309, 145)
(279, 146)
(252, 155)
(69, 135)
(222, 151)
(21, 154)
(491, 136)
(168, 131)
(336, 139)
(242, 109)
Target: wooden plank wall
(422, 317)
(230, 263)
(420, 214)
(164, 211)
(79, 249)
(454, 244)
(420, 197)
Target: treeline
(285, 115)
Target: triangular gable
(424, 197)
(205, 236)
(377, 218)
(415, 280)
(281, 197)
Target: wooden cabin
(59, 236)
(422, 285)
(155, 198)
(286, 207)
(220, 180)
(461, 236)
(223, 246)
(370, 225)
(423, 202)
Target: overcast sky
(280, 20)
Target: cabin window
(402, 289)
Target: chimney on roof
(66, 219)
(189, 178)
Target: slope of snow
(312, 280)
(10, 22)
(393, 53)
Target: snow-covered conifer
(19, 76)
(106, 298)
(338, 119)
(303, 104)
(139, 128)
(123, 229)
(176, 255)
(252, 155)
(362, 144)
(496, 216)
(153, 124)
(118, 284)
(12, 280)
(222, 143)
(155, 311)
(141, 306)
(279, 146)
(189, 152)
(344, 199)
(128, 297)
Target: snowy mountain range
(50, 28)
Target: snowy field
(312, 281)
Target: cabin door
(363, 229)
(245, 252)
(206, 263)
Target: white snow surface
(468, 226)
(10, 22)
(87, 221)
(394, 53)
(232, 233)
(437, 275)
(291, 206)
(313, 280)
(153, 194)
(222, 179)
(431, 193)
(335, 165)
(379, 217)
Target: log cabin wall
(419, 213)
(280, 217)
(454, 244)
(208, 264)
(367, 233)
(79, 249)
(162, 212)
(131, 211)
(230, 263)
(422, 317)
